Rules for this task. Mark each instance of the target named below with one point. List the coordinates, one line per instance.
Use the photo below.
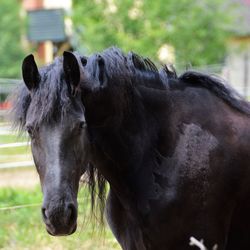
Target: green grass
(23, 228)
(12, 138)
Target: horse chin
(54, 232)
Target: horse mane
(119, 63)
(141, 63)
(51, 99)
(134, 64)
(218, 87)
(97, 186)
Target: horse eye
(82, 125)
(30, 130)
(83, 61)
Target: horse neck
(127, 160)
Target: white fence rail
(20, 164)
(14, 144)
(4, 131)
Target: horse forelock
(48, 102)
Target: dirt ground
(22, 177)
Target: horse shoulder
(123, 224)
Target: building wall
(32, 4)
(65, 4)
(237, 67)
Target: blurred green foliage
(10, 41)
(196, 28)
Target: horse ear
(102, 73)
(71, 71)
(31, 76)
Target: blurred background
(212, 36)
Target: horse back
(214, 126)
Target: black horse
(174, 150)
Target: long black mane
(218, 87)
(52, 99)
(133, 64)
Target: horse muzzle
(60, 218)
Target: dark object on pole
(46, 25)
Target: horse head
(55, 121)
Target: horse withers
(174, 150)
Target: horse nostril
(72, 212)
